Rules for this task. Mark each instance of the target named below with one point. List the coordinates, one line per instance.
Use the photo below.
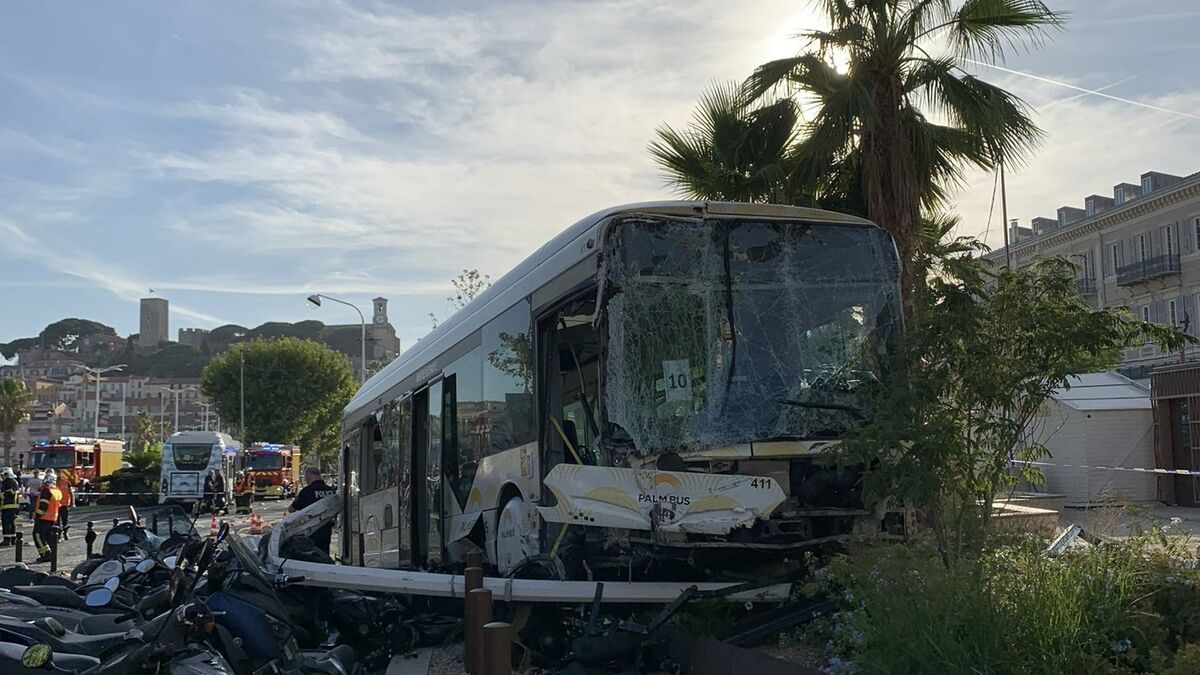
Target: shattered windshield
(723, 332)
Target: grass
(1126, 607)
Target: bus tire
(517, 534)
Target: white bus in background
(187, 457)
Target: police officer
(315, 490)
(46, 515)
(9, 504)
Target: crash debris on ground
(156, 596)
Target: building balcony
(1150, 268)
(1087, 286)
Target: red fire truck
(86, 458)
(274, 468)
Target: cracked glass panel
(724, 332)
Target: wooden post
(497, 648)
(473, 559)
(478, 613)
(473, 578)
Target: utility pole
(242, 355)
(98, 372)
(1004, 217)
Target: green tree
(732, 152)
(146, 459)
(295, 391)
(952, 421)
(467, 286)
(145, 432)
(904, 60)
(15, 400)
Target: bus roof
(565, 250)
(202, 437)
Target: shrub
(1128, 607)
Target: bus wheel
(516, 534)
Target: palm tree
(904, 116)
(15, 400)
(731, 152)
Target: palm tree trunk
(893, 199)
(8, 442)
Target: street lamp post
(206, 406)
(98, 372)
(315, 299)
(175, 393)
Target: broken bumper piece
(668, 501)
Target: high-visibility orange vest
(48, 503)
(68, 494)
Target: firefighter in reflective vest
(9, 504)
(46, 515)
(68, 501)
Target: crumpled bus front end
(734, 351)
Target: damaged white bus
(641, 398)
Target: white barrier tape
(1134, 469)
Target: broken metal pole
(497, 648)
(350, 577)
(478, 613)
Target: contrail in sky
(1093, 92)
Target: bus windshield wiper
(853, 410)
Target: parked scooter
(177, 638)
(248, 605)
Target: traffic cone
(212, 530)
(256, 523)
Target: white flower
(1177, 521)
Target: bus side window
(571, 362)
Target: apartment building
(1138, 248)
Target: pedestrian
(46, 515)
(9, 504)
(314, 490)
(209, 481)
(219, 491)
(33, 490)
(68, 501)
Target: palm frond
(767, 77)
(986, 28)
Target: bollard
(154, 523)
(116, 522)
(497, 648)
(55, 533)
(473, 578)
(473, 559)
(20, 551)
(478, 611)
(90, 538)
(170, 524)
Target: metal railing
(1087, 286)
(1150, 268)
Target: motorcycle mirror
(36, 656)
(223, 532)
(113, 584)
(133, 516)
(170, 561)
(145, 565)
(117, 539)
(99, 597)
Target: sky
(235, 157)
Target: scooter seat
(68, 643)
(51, 595)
